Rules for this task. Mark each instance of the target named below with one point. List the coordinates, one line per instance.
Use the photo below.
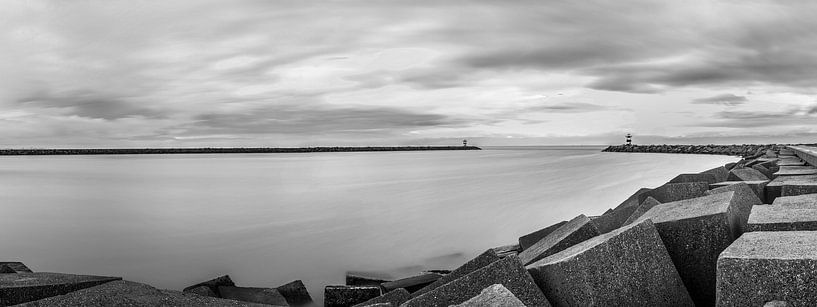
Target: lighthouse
(629, 138)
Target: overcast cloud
(306, 73)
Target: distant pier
(146, 151)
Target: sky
(185, 73)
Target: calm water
(266, 219)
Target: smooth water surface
(267, 219)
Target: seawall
(745, 150)
(233, 150)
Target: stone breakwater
(236, 150)
(731, 150)
(741, 234)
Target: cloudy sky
(307, 73)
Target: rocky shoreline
(746, 150)
(742, 234)
(228, 150)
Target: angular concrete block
(676, 191)
(706, 177)
(365, 279)
(213, 284)
(746, 174)
(484, 259)
(612, 219)
(763, 170)
(5, 269)
(760, 267)
(634, 199)
(203, 291)
(807, 201)
(720, 173)
(576, 230)
(695, 231)
(18, 267)
(493, 296)
(758, 187)
(780, 218)
(626, 267)
(508, 272)
(798, 189)
(791, 162)
(267, 296)
(413, 283)
(127, 293)
(796, 171)
(25, 287)
(775, 188)
(345, 296)
(507, 250)
(295, 293)
(643, 208)
(529, 239)
(393, 298)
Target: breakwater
(231, 150)
(741, 234)
(745, 150)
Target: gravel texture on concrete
(394, 297)
(493, 296)
(25, 287)
(477, 263)
(576, 230)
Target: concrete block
(635, 199)
(720, 173)
(481, 261)
(295, 293)
(393, 298)
(365, 279)
(798, 189)
(493, 296)
(746, 174)
(763, 170)
(775, 188)
(127, 293)
(345, 296)
(675, 191)
(213, 284)
(576, 230)
(791, 162)
(760, 267)
(796, 171)
(18, 267)
(5, 269)
(507, 250)
(780, 218)
(626, 267)
(25, 287)
(758, 187)
(806, 201)
(613, 219)
(508, 272)
(203, 291)
(529, 239)
(267, 296)
(643, 208)
(412, 283)
(706, 177)
(695, 231)
(730, 165)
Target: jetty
(741, 234)
(217, 150)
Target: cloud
(722, 99)
(90, 105)
(571, 107)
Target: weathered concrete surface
(766, 266)
(202, 290)
(746, 174)
(576, 230)
(295, 293)
(695, 231)
(775, 188)
(267, 296)
(213, 284)
(484, 259)
(807, 153)
(508, 272)
(365, 279)
(763, 170)
(18, 267)
(634, 199)
(612, 219)
(643, 208)
(493, 296)
(394, 298)
(626, 267)
(807, 201)
(127, 293)
(25, 287)
(796, 171)
(758, 187)
(780, 218)
(412, 283)
(706, 177)
(790, 162)
(345, 296)
(720, 173)
(675, 191)
(507, 250)
(5, 269)
(529, 239)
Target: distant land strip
(144, 151)
(744, 150)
